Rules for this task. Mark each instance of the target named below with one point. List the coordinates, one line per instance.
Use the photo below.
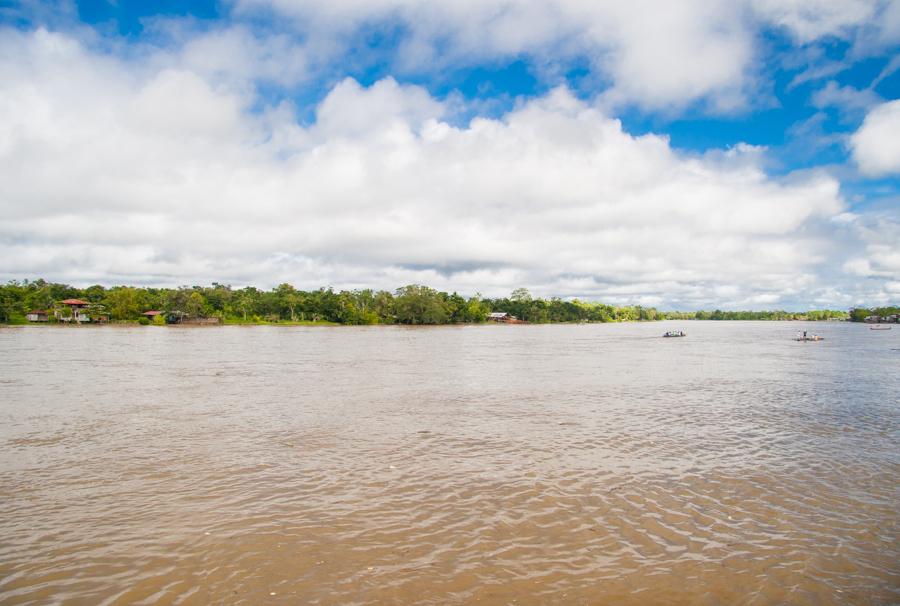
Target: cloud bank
(158, 175)
(164, 164)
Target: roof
(37, 311)
(151, 312)
(498, 314)
(74, 302)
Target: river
(533, 464)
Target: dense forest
(413, 304)
(813, 315)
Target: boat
(675, 333)
(880, 327)
(810, 338)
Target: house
(502, 316)
(873, 319)
(79, 313)
(151, 314)
(210, 321)
(180, 317)
(37, 315)
(893, 318)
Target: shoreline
(326, 324)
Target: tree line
(718, 314)
(413, 304)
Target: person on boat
(804, 334)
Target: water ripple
(566, 464)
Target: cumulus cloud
(163, 175)
(876, 145)
(875, 260)
(881, 253)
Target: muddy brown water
(589, 464)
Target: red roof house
(78, 311)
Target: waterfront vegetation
(859, 314)
(286, 305)
(812, 315)
(413, 304)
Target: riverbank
(413, 304)
(327, 324)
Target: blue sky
(730, 154)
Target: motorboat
(675, 333)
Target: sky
(733, 154)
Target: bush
(144, 321)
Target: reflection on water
(498, 464)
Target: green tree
(416, 304)
(123, 303)
(10, 301)
(288, 298)
(520, 295)
(194, 306)
(94, 294)
(383, 306)
(244, 303)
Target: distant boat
(675, 333)
(880, 327)
(810, 338)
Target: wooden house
(79, 311)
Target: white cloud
(876, 145)
(160, 174)
(847, 98)
(655, 55)
(386, 103)
(892, 66)
(236, 54)
(880, 250)
(807, 20)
